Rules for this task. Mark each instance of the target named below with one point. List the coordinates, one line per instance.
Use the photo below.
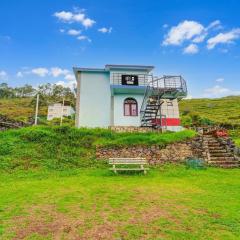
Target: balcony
(130, 83)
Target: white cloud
(185, 30)
(105, 30)
(56, 71)
(199, 38)
(62, 30)
(219, 80)
(41, 72)
(75, 17)
(88, 22)
(19, 74)
(3, 75)
(223, 38)
(82, 38)
(70, 77)
(215, 24)
(64, 16)
(70, 84)
(191, 49)
(218, 91)
(74, 32)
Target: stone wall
(172, 153)
(132, 129)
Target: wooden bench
(128, 161)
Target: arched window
(130, 107)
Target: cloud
(70, 84)
(223, 38)
(70, 77)
(165, 25)
(185, 30)
(82, 38)
(105, 30)
(74, 32)
(3, 75)
(214, 25)
(218, 91)
(75, 17)
(19, 74)
(191, 49)
(62, 30)
(56, 71)
(41, 72)
(219, 80)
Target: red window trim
(130, 107)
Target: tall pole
(62, 113)
(36, 112)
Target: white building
(57, 110)
(127, 95)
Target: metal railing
(143, 79)
(169, 83)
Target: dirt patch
(106, 223)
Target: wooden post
(36, 111)
(62, 113)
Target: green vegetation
(167, 203)
(224, 111)
(65, 147)
(19, 108)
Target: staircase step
(225, 165)
(223, 162)
(221, 154)
(220, 150)
(221, 158)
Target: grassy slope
(19, 108)
(169, 203)
(65, 147)
(222, 110)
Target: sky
(41, 40)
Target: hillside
(221, 110)
(19, 108)
(66, 147)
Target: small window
(130, 107)
(169, 104)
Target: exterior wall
(119, 119)
(94, 98)
(56, 111)
(171, 110)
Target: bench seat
(128, 161)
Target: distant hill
(221, 110)
(19, 108)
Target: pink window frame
(130, 104)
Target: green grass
(66, 147)
(168, 203)
(220, 110)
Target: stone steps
(220, 158)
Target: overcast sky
(41, 40)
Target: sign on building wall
(130, 80)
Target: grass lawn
(168, 203)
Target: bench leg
(114, 169)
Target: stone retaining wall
(132, 129)
(172, 153)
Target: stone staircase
(218, 153)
